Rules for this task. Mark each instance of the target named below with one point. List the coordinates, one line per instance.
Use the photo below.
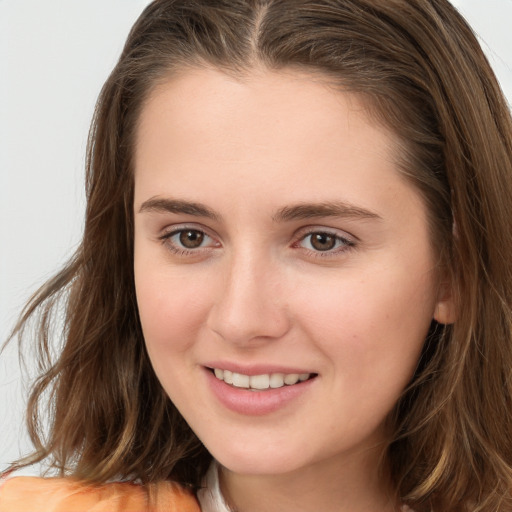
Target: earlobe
(446, 310)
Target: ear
(446, 309)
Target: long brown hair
(423, 74)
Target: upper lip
(255, 369)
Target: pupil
(323, 241)
(191, 239)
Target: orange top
(31, 494)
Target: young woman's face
(275, 240)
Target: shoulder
(29, 494)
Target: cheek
(171, 311)
(371, 326)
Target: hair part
(423, 75)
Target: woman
(295, 264)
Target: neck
(332, 486)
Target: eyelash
(342, 244)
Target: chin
(258, 461)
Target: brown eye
(191, 238)
(323, 241)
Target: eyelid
(176, 228)
(339, 233)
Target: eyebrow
(325, 209)
(164, 205)
(298, 211)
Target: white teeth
(291, 379)
(260, 382)
(228, 377)
(277, 380)
(240, 380)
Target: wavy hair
(422, 74)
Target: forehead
(255, 106)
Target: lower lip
(256, 403)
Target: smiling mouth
(261, 382)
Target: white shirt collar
(210, 496)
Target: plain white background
(54, 57)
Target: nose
(250, 305)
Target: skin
(257, 291)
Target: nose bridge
(249, 304)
